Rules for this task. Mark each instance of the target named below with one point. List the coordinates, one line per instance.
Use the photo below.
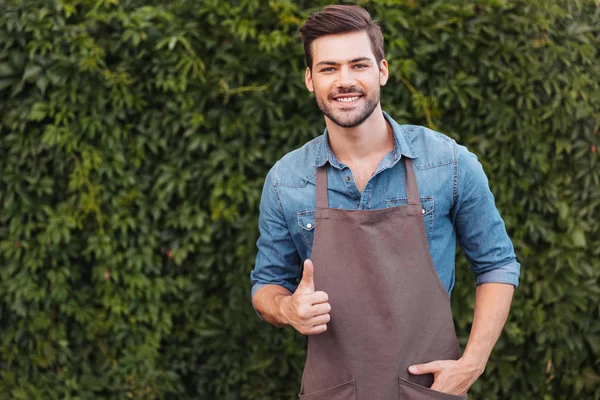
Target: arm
(267, 301)
(492, 303)
(277, 267)
(276, 271)
(482, 235)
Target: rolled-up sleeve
(480, 230)
(277, 260)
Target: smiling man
(358, 230)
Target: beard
(349, 118)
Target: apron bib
(389, 309)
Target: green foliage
(134, 140)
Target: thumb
(308, 276)
(429, 368)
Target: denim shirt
(454, 192)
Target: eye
(327, 69)
(360, 66)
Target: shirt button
(423, 211)
(347, 178)
(309, 226)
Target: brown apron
(389, 309)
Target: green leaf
(6, 70)
(31, 73)
(38, 112)
(578, 238)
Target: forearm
(267, 301)
(492, 304)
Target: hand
(306, 310)
(449, 376)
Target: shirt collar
(402, 146)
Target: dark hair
(334, 20)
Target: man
(372, 211)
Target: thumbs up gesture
(306, 310)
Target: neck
(371, 139)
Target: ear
(384, 72)
(308, 80)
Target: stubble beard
(358, 116)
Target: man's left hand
(449, 376)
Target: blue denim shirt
(456, 199)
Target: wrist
(474, 363)
(282, 306)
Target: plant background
(134, 141)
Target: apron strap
(322, 199)
(412, 190)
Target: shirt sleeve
(479, 228)
(277, 260)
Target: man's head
(337, 20)
(345, 65)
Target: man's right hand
(306, 310)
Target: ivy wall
(135, 137)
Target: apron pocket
(412, 391)
(345, 391)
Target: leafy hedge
(134, 140)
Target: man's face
(346, 78)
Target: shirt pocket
(306, 222)
(426, 207)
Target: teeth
(347, 99)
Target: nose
(346, 78)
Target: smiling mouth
(347, 100)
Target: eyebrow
(354, 60)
